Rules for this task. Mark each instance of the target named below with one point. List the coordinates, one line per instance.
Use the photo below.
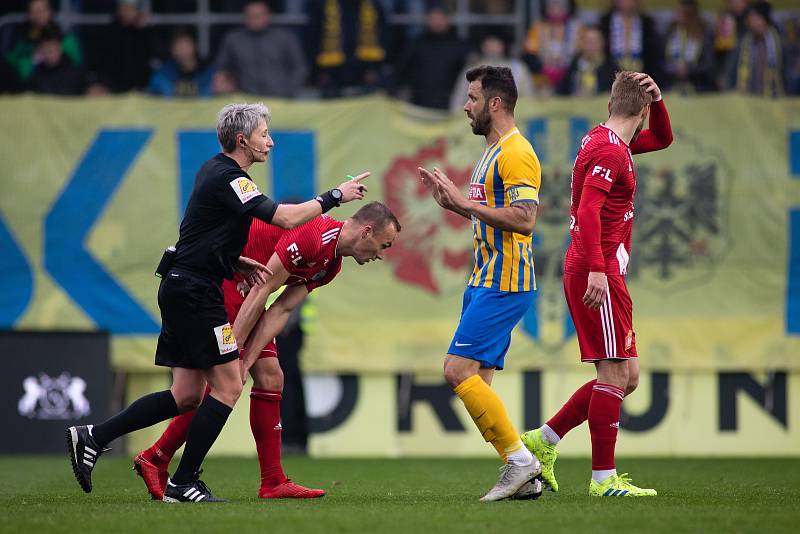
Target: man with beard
(503, 196)
(601, 219)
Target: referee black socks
(205, 427)
(144, 412)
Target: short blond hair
(628, 98)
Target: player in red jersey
(601, 219)
(302, 259)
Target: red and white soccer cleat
(155, 477)
(289, 490)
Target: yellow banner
(93, 190)
(695, 413)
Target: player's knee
(228, 393)
(614, 372)
(454, 375)
(271, 380)
(235, 391)
(633, 383)
(188, 401)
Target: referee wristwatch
(330, 199)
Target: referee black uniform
(195, 332)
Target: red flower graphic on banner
(432, 238)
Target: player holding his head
(301, 259)
(503, 196)
(601, 219)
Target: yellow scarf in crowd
(368, 48)
(772, 81)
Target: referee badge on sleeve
(225, 340)
(244, 188)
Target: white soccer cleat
(512, 478)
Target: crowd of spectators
(348, 47)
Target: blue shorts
(487, 318)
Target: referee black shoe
(83, 453)
(194, 491)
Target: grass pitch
(39, 494)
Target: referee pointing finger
(196, 339)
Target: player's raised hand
(596, 291)
(353, 189)
(254, 273)
(649, 84)
(429, 180)
(449, 191)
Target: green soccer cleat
(618, 486)
(546, 453)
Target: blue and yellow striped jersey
(509, 172)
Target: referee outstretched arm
(293, 215)
(246, 140)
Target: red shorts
(606, 333)
(233, 303)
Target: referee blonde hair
(242, 119)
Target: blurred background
(109, 108)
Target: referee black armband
(327, 201)
(265, 210)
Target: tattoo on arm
(528, 208)
(527, 212)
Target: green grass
(39, 494)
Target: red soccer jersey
(604, 161)
(308, 253)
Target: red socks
(265, 422)
(574, 412)
(604, 409)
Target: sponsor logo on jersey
(477, 192)
(244, 188)
(294, 254)
(226, 342)
(602, 171)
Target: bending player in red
(601, 219)
(303, 259)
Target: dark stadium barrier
(50, 381)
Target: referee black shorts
(195, 332)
